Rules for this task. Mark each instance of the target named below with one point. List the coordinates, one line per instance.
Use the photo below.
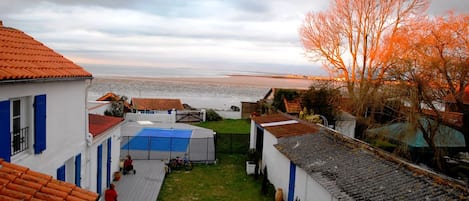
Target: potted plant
(251, 161)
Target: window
(19, 129)
(17, 116)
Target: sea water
(197, 95)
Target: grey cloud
(441, 7)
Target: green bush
(213, 116)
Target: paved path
(145, 185)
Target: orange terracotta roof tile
(6, 198)
(113, 97)
(20, 188)
(21, 183)
(100, 123)
(108, 97)
(22, 57)
(157, 104)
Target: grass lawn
(234, 126)
(226, 180)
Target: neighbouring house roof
(404, 132)
(465, 97)
(281, 125)
(24, 58)
(21, 183)
(454, 119)
(271, 93)
(292, 106)
(352, 170)
(156, 104)
(113, 97)
(100, 123)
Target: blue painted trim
(78, 170)
(291, 184)
(61, 173)
(108, 162)
(99, 175)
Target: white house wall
(306, 188)
(252, 136)
(98, 107)
(114, 134)
(160, 117)
(65, 123)
(278, 166)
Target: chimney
(1, 23)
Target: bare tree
(431, 56)
(348, 38)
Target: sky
(245, 35)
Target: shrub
(213, 116)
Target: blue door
(291, 184)
(108, 163)
(61, 173)
(99, 175)
(78, 170)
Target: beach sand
(237, 80)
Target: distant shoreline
(269, 81)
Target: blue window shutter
(108, 162)
(78, 170)
(61, 173)
(39, 123)
(99, 170)
(5, 136)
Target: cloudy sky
(260, 35)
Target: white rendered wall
(278, 166)
(98, 107)
(65, 123)
(306, 188)
(252, 135)
(160, 117)
(114, 134)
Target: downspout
(87, 145)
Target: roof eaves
(52, 79)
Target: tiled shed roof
(100, 123)
(157, 104)
(22, 57)
(21, 183)
(271, 118)
(292, 106)
(352, 170)
(284, 130)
